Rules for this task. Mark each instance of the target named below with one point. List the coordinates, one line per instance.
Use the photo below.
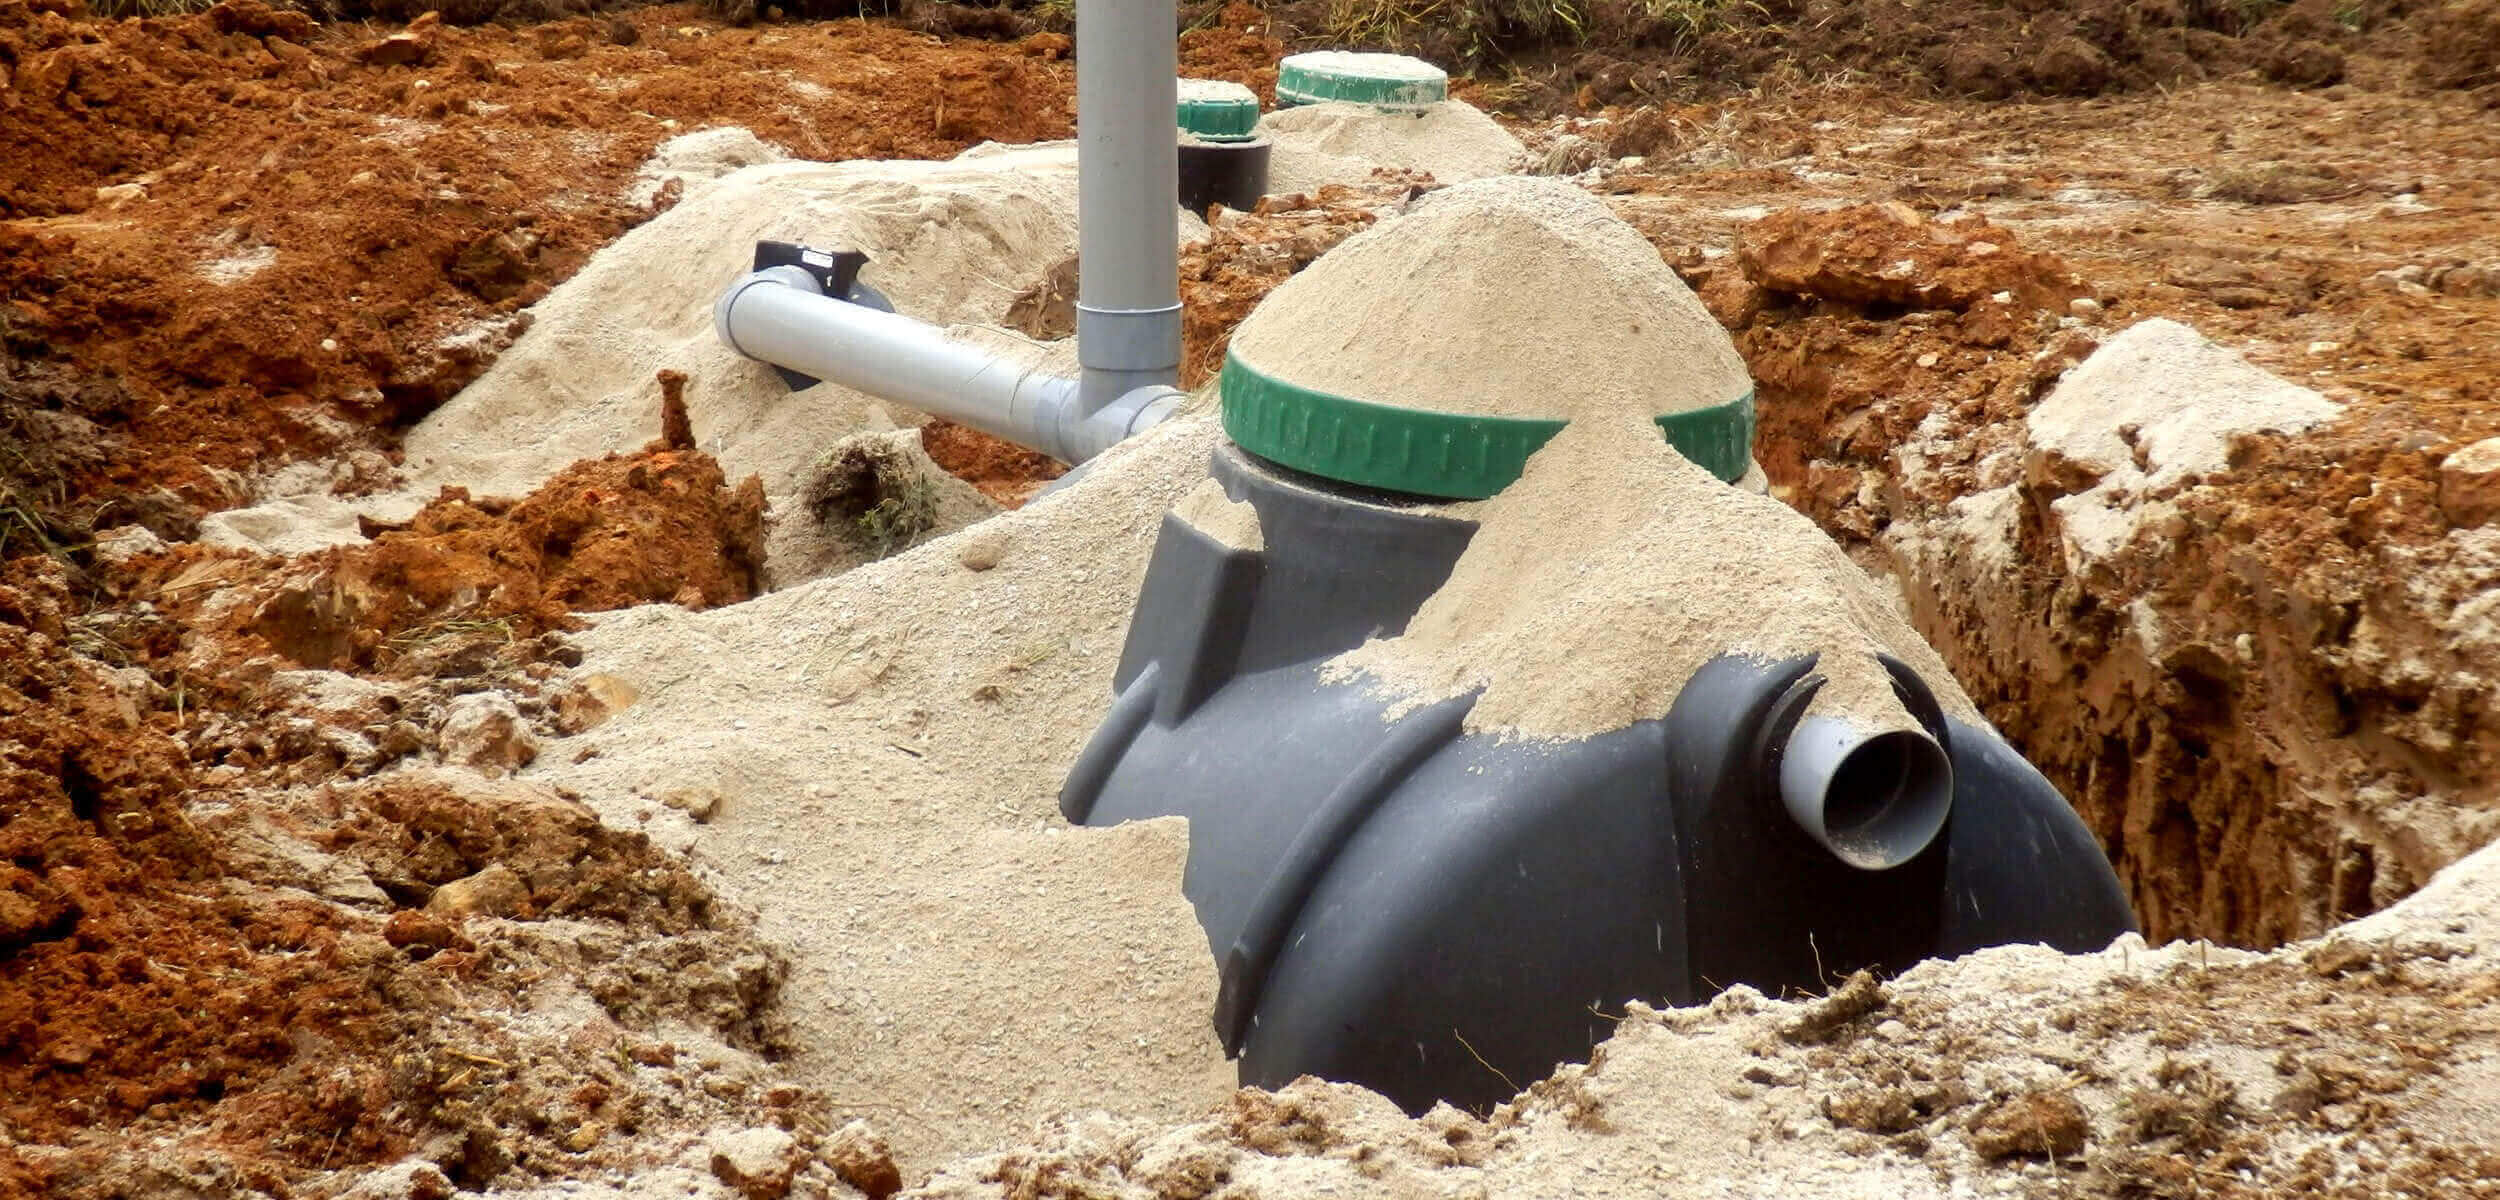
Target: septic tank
(1441, 913)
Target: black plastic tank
(1440, 915)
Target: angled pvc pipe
(778, 315)
(1128, 280)
(1873, 796)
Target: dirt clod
(2047, 1123)
(862, 1160)
(1857, 996)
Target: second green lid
(1388, 82)
(1213, 110)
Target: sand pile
(691, 159)
(1613, 570)
(1342, 143)
(2184, 396)
(875, 760)
(1506, 297)
(1614, 567)
(2362, 1064)
(953, 242)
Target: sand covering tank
(1464, 778)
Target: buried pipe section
(1128, 283)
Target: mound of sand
(1319, 144)
(952, 242)
(2185, 396)
(1597, 584)
(694, 159)
(1513, 298)
(1506, 297)
(879, 755)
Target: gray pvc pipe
(1128, 319)
(1874, 797)
(779, 316)
(1128, 303)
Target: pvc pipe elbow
(1875, 797)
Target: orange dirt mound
(659, 526)
(131, 983)
(1890, 255)
(1003, 471)
(264, 226)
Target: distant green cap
(1213, 110)
(1388, 82)
(1448, 455)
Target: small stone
(2325, 347)
(759, 1163)
(400, 738)
(864, 1161)
(2084, 307)
(118, 194)
(1928, 359)
(699, 802)
(585, 1136)
(122, 543)
(2481, 282)
(2340, 957)
(654, 1054)
(398, 50)
(409, 927)
(2469, 484)
(982, 549)
(592, 700)
(485, 731)
(494, 892)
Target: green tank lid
(1213, 110)
(1446, 455)
(1388, 82)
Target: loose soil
(265, 809)
(1539, 57)
(1374, 320)
(305, 232)
(2257, 728)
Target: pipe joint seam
(1129, 339)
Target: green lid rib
(1388, 82)
(1446, 455)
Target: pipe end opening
(1875, 800)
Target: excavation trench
(2267, 732)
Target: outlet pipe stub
(1875, 797)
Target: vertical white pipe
(1128, 197)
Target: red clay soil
(1625, 53)
(294, 220)
(1007, 473)
(1238, 46)
(2180, 764)
(131, 982)
(661, 526)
